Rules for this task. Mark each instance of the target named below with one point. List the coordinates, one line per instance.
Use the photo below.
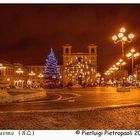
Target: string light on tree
(80, 70)
(51, 68)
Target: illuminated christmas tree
(51, 70)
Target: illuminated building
(20, 76)
(79, 68)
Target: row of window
(6, 72)
(34, 69)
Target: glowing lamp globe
(123, 63)
(117, 63)
(120, 35)
(136, 54)
(131, 36)
(120, 60)
(132, 50)
(124, 38)
(114, 37)
(129, 55)
(122, 30)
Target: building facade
(137, 72)
(77, 68)
(20, 76)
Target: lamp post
(115, 69)
(120, 63)
(19, 71)
(98, 75)
(121, 38)
(133, 55)
(31, 73)
(41, 77)
(19, 82)
(31, 77)
(2, 71)
(114, 74)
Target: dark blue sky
(27, 32)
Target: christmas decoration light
(51, 71)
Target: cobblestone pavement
(119, 118)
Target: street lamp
(98, 75)
(112, 71)
(40, 75)
(121, 38)
(19, 71)
(133, 55)
(32, 73)
(2, 67)
(120, 63)
(121, 73)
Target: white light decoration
(80, 69)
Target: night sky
(27, 32)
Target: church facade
(79, 68)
